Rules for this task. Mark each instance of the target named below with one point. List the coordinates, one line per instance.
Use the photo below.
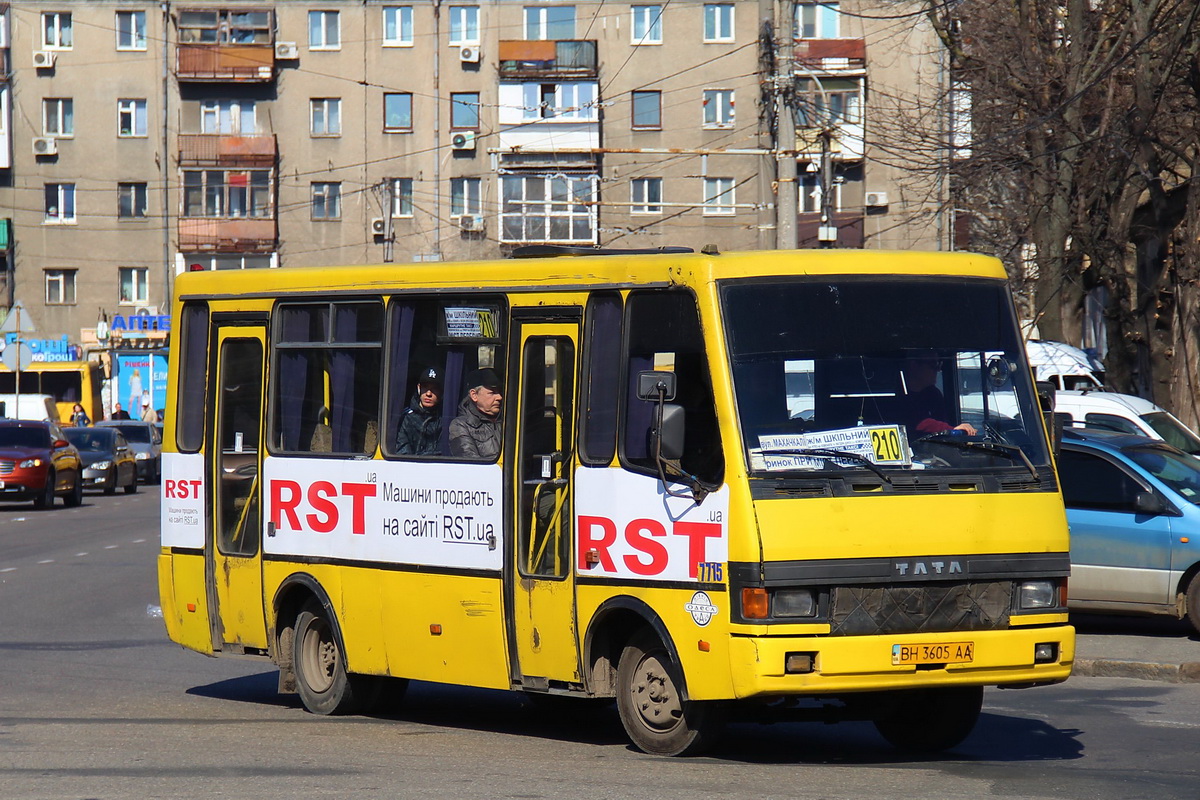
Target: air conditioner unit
(463, 140)
(146, 311)
(286, 51)
(470, 222)
(45, 146)
(468, 55)
(378, 226)
(44, 59)
(876, 199)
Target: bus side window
(193, 370)
(601, 381)
(327, 377)
(663, 333)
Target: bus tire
(1193, 602)
(656, 717)
(929, 720)
(321, 679)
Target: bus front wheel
(654, 712)
(322, 682)
(929, 720)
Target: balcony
(557, 60)
(225, 63)
(208, 149)
(227, 235)
(831, 55)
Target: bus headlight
(1037, 594)
(795, 603)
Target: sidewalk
(1149, 648)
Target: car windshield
(139, 434)
(909, 374)
(92, 439)
(24, 437)
(1173, 432)
(1176, 469)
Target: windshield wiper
(1012, 451)
(827, 453)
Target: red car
(38, 463)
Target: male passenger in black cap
(420, 430)
(475, 432)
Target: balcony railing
(831, 54)
(223, 63)
(227, 235)
(567, 58)
(208, 149)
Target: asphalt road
(96, 703)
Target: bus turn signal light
(755, 603)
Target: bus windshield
(874, 374)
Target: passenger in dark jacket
(475, 432)
(420, 429)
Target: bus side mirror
(1045, 393)
(670, 432)
(654, 383)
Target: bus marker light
(435, 629)
(591, 558)
(798, 663)
(754, 603)
(704, 646)
(191, 607)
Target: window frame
(326, 195)
(463, 28)
(402, 198)
(548, 209)
(134, 105)
(715, 23)
(329, 111)
(633, 109)
(397, 128)
(139, 286)
(222, 195)
(400, 13)
(66, 278)
(323, 41)
(58, 29)
(466, 196)
(644, 206)
(135, 30)
(819, 12)
(724, 209)
(456, 103)
(718, 109)
(138, 199)
(66, 198)
(537, 21)
(650, 16)
(222, 110)
(60, 110)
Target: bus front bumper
(807, 665)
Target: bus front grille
(920, 608)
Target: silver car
(145, 439)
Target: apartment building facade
(142, 139)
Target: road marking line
(46, 561)
(80, 555)
(111, 547)
(9, 569)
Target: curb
(1187, 672)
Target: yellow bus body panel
(183, 600)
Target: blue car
(1133, 505)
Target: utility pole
(389, 195)
(786, 204)
(766, 125)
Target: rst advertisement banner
(628, 527)
(181, 512)
(444, 515)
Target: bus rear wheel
(929, 720)
(322, 682)
(657, 717)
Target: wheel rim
(655, 696)
(319, 656)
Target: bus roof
(567, 272)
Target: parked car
(108, 462)
(1124, 413)
(1133, 505)
(38, 463)
(146, 440)
(1064, 365)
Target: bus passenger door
(543, 626)
(233, 463)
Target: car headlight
(794, 603)
(30, 462)
(1037, 594)
(102, 465)
(141, 456)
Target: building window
(718, 108)
(228, 117)
(817, 20)
(60, 287)
(647, 25)
(464, 25)
(60, 202)
(402, 197)
(58, 117)
(647, 111)
(326, 201)
(233, 194)
(131, 118)
(718, 196)
(548, 208)
(131, 200)
(645, 196)
(324, 30)
(566, 102)
(397, 112)
(466, 196)
(397, 26)
(832, 101)
(549, 22)
(811, 195)
(464, 111)
(240, 26)
(718, 22)
(135, 285)
(131, 30)
(56, 31)
(326, 116)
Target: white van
(40, 407)
(1124, 413)
(1065, 366)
